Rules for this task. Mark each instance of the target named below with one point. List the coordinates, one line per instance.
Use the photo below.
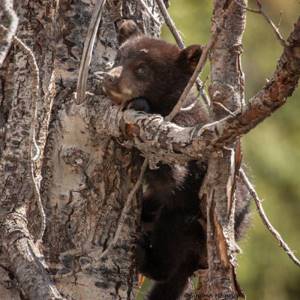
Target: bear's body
(150, 74)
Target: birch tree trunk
(88, 163)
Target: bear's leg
(170, 289)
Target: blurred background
(271, 150)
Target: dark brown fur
(150, 75)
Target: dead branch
(170, 23)
(26, 260)
(126, 209)
(7, 36)
(87, 52)
(266, 220)
(261, 11)
(194, 77)
(172, 27)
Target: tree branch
(266, 221)
(171, 25)
(87, 52)
(267, 18)
(174, 143)
(218, 188)
(26, 260)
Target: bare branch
(87, 52)
(171, 25)
(226, 88)
(26, 260)
(194, 77)
(126, 209)
(6, 38)
(266, 221)
(275, 28)
(228, 111)
(267, 18)
(198, 69)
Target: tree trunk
(87, 175)
(72, 167)
(227, 89)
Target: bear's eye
(141, 71)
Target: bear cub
(149, 75)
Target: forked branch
(261, 11)
(197, 142)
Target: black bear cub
(149, 75)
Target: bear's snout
(113, 76)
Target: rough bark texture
(87, 157)
(86, 176)
(227, 88)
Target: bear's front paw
(139, 104)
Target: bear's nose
(113, 75)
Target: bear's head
(149, 68)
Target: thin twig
(195, 75)
(146, 8)
(170, 23)
(224, 108)
(265, 219)
(5, 42)
(172, 27)
(275, 29)
(33, 156)
(126, 209)
(267, 18)
(280, 19)
(87, 52)
(253, 10)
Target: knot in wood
(75, 157)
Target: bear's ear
(190, 56)
(126, 29)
